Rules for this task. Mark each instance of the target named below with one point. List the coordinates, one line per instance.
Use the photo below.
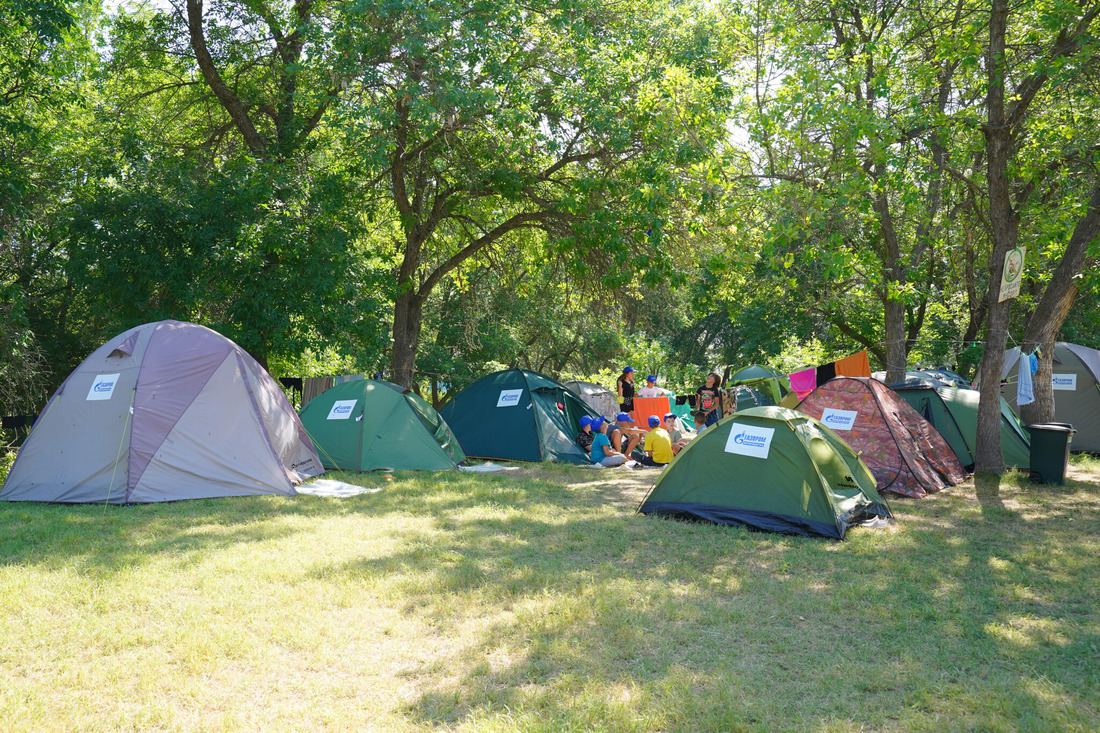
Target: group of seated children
(612, 444)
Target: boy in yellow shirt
(658, 444)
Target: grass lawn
(536, 599)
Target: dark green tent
(517, 415)
(365, 425)
(772, 469)
(953, 412)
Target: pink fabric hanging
(804, 382)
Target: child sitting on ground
(658, 445)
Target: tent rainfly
(773, 469)
(953, 412)
(517, 415)
(1076, 377)
(904, 452)
(366, 425)
(165, 411)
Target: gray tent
(1076, 376)
(599, 398)
(164, 411)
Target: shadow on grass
(592, 617)
(715, 626)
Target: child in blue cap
(658, 445)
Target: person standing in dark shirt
(624, 386)
(709, 398)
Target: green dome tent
(953, 412)
(762, 380)
(769, 468)
(517, 415)
(366, 425)
(754, 372)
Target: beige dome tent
(164, 411)
(1076, 376)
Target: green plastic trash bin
(1050, 451)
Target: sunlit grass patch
(537, 599)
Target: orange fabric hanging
(646, 406)
(856, 365)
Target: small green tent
(953, 412)
(773, 469)
(763, 380)
(517, 415)
(366, 425)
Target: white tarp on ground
(336, 489)
(488, 467)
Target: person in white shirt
(651, 389)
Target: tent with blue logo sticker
(518, 415)
(164, 411)
(367, 424)
(904, 452)
(771, 469)
(1075, 372)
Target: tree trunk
(893, 304)
(406, 337)
(895, 341)
(1004, 222)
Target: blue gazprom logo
(1063, 379)
(839, 419)
(750, 440)
(341, 409)
(509, 398)
(104, 386)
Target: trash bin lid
(1054, 427)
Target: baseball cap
(627, 369)
(585, 420)
(671, 414)
(654, 421)
(652, 379)
(597, 422)
(623, 417)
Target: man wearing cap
(651, 389)
(603, 453)
(584, 437)
(631, 434)
(658, 446)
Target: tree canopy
(432, 189)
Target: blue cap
(584, 421)
(651, 379)
(654, 421)
(597, 423)
(671, 414)
(623, 417)
(627, 369)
